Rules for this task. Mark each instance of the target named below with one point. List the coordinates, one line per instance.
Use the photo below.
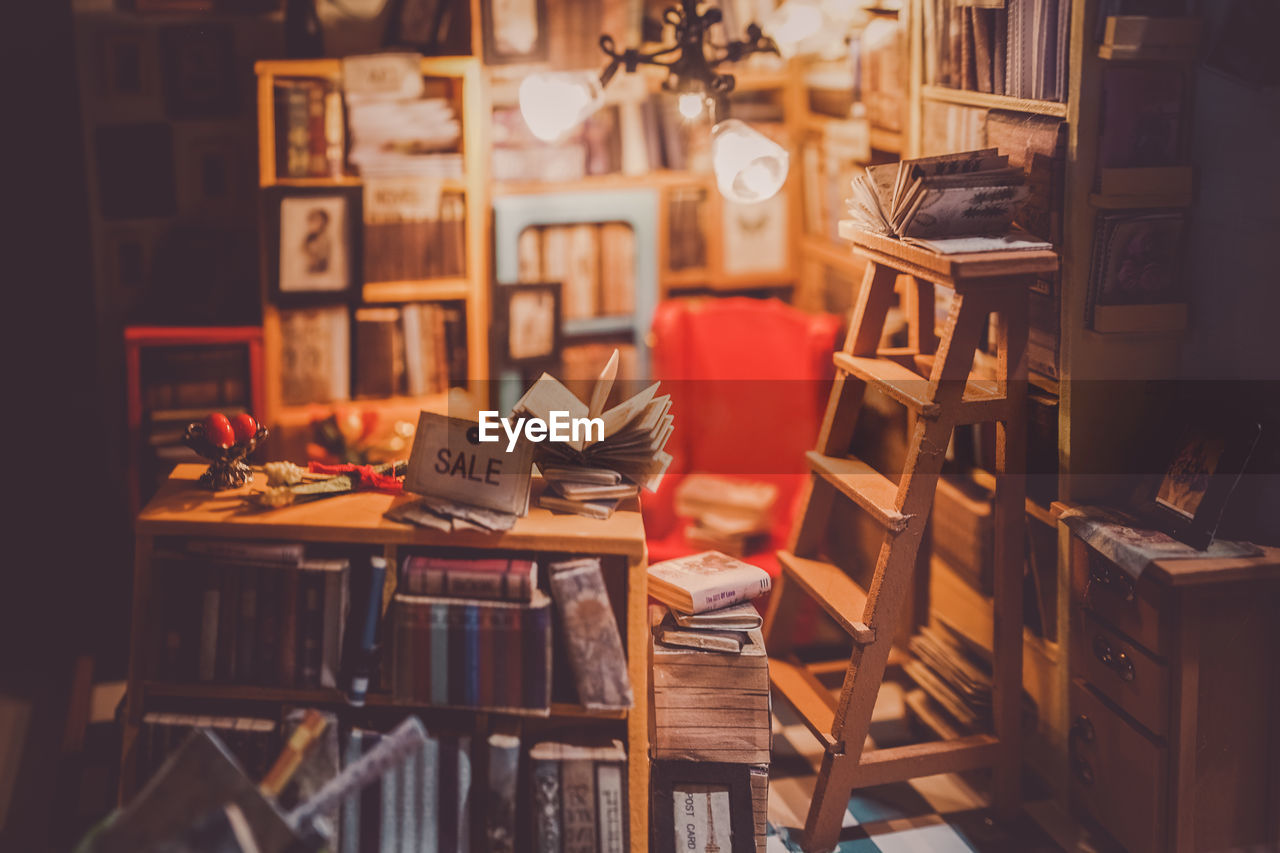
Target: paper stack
(597, 468)
(732, 516)
(963, 202)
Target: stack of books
(414, 136)
(239, 612)
(732, 516)
(614, 455)
(579, 797)
(710, 669)
(471, 632)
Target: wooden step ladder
(993, 283)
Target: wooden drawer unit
(1137, 609)
(1124, 673)
(1118, 774)
(1174, 734)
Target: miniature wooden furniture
(181, 510)
(983, 284)
(1174, 700)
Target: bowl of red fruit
(225, 442)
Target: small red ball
(244, 427)
(217, 429)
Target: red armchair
(749, 380)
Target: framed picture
(1205, 467)
(313, 243)
(514, 31)
(526, 319)
(701, 807)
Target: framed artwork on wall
(526, 324)
(313, 243)
(514, 31)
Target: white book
(707, 581)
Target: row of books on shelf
(400, 134)
(415, 349)
(594, 263)
(549, 795)
(1017, 48)
(412, 229)
(252, 615)
(461, 631)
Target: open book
(932, 201)
(634, 437)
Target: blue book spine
(362, 671)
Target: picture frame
(314, 251)
(1205, 465)
(514, 31)
(527, 319)
(719, 788)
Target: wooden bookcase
(471, 290)
(1098, 373)
(181, 510)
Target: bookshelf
(1097, 388)
(461, 78)
(180, 510)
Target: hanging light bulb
(691, 104)
(794, 23)
(555, 102)
(749, 166)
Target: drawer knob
(1102, 576)
(1115, 659)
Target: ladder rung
(839, 594)
(814, 702)
(862, 484)
(895, 764)
(911, 389)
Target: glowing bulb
(555, 102)
(749, 166)
(690, 104)
(793, 23)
